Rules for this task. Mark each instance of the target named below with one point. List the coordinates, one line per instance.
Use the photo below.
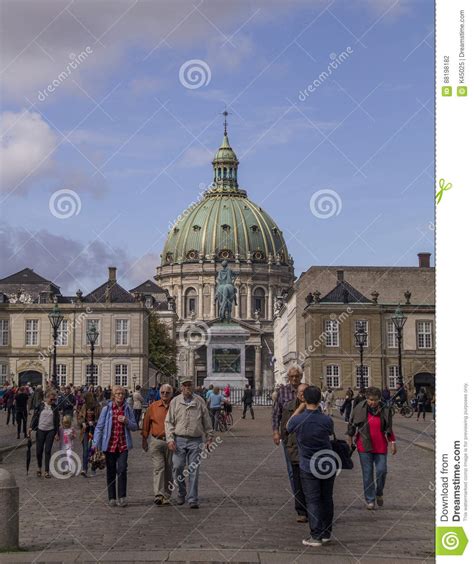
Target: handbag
(343, 452)
(97, 460)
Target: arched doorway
(425, 380)
(34, 377)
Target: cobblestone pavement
(246, 510)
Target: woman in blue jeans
(318, 467)
(371, 427)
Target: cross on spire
(225, 113)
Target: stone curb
(307, 555)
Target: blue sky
(142, 156)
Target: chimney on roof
(340, 276)
(112, 274)
(424, 260)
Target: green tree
(161, 347)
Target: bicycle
(220, 422)
(404, 409)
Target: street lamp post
(399, 321)
(360, 339)
(55, 318)
(92, 336)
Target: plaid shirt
(118, 442)
(285, 394)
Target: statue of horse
(226, 292)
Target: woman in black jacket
(45, 422)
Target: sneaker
(312, 542)
(122, 502)
(326, 540)
(165, 501)
(158, 500)
(370, 505)
(83, 473)
(112, 502)
(47, 475)
(302, 519)
(180, 500)
(380, 500)
(194, 505)
(38, 473)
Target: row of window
(258, 302)
(333, 378)
(424, 333)
(121, 374)
(32, 332)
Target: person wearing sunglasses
(154, 439)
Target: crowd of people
(178, 427)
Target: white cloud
(27, 149)
(196, 156)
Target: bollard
(9, 511)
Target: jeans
(372, 487)
(187, 454)
(11, 413)
(289, 468)
(161, 457)
(248, 406)
(319, 503)
(300, 501)
(44, 443)
(214, 413)
(116, 464)
(21, 417)
(85, 452)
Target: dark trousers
(21, 417)
(421, 409)
(248, 406)
(214, 413)
(44, 443)
(11, 414)
(116, 464)
(138, 415)
(319, 503)
(300, 501)
(85, 452)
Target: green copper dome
(225, 224)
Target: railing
(263, 397)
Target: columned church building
(226, 225)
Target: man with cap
(186, 423)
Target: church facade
(225, 225)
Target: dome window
(175, 230)
(225, 172)
(275, 230)
(226, 228)
(197, 227)
(219, 173)
(226, 254)
(192, 255)
(258, 255)
(254, 228)
(169, 257)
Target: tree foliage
(161, 347)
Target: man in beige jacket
(186, 424)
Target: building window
(3, 332)
(93, 323)
(94, 379)
(333, 376)
(362, 382)
(3, 373)
(61, 370)
(121, 375)
(191, 302)
(423, 334)
(121, 331)
(62, 334)
(393, 376)
(392, 342)
(364, 325)
(331, 329)
(259, 301)
(32, 332)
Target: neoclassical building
(226, 224)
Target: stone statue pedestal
(226, 356)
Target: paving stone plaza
(246, 512)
